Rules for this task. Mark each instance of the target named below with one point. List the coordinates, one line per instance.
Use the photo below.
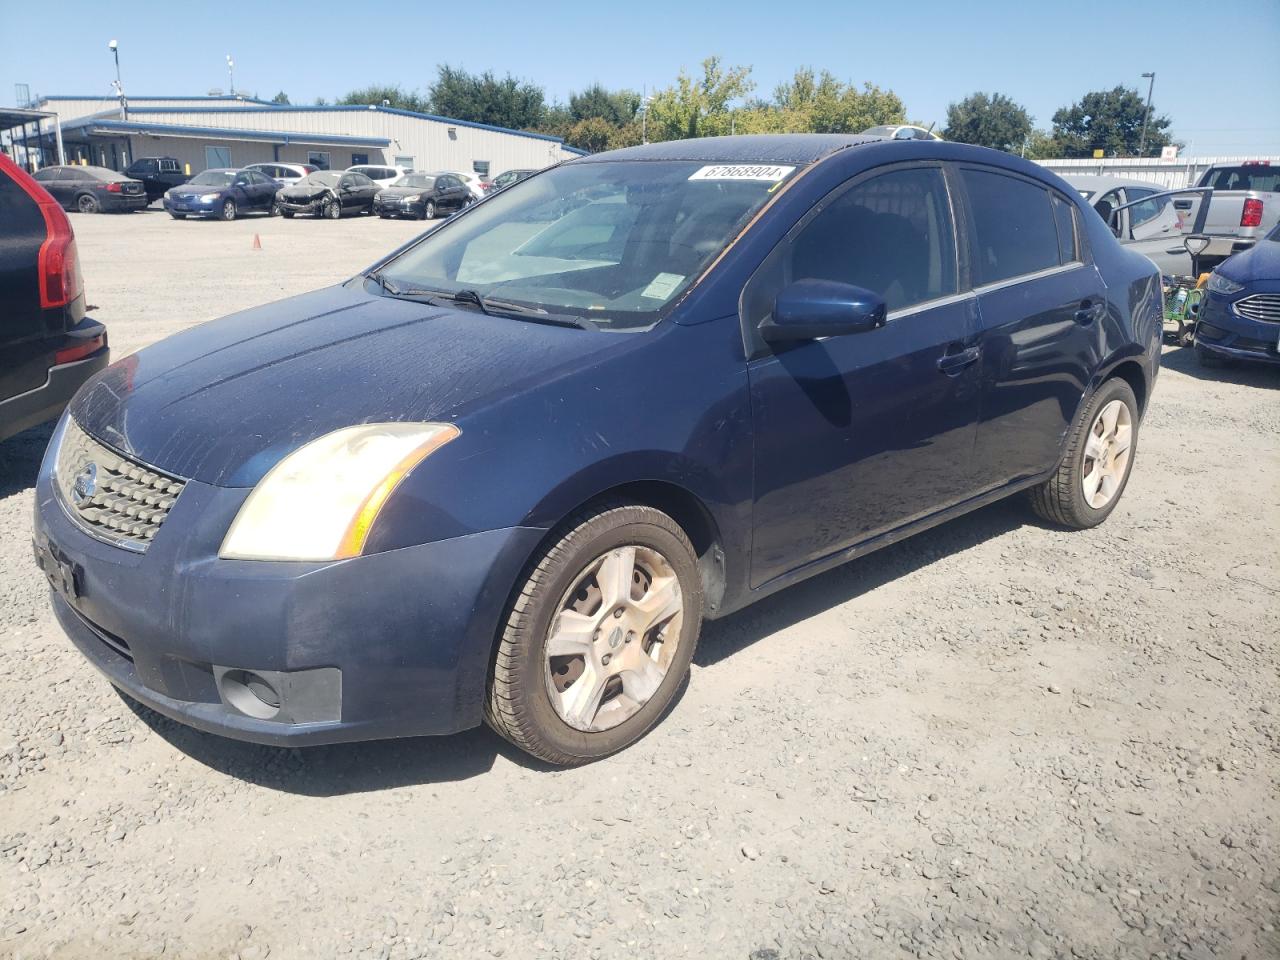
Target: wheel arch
(1132, 373)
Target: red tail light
(80, 350)
(113, 186)
(1251, 216)
(59, 263)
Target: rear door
(860, 434)
(1041, 308)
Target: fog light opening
(250, 693)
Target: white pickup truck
(1243, 207)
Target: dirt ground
(993, 740)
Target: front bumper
(388, 645)
(398, 208)
(301, 206)
(193, 207)
(1222, 331)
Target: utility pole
(1142, 144)
(114, 47)
(231, 74)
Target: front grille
(1260, 306)
(112, 497)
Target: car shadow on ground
(343, 769)
(1244, 373)
(20, 458)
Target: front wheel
(429, 211)
(332, 209)
(228, 210)
(1100, 451)
(599, 639)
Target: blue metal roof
(288, 108)
(131, 99)
(238, 133)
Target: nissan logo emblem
(85, 485)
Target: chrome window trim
(1028, 277)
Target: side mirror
(809, 309)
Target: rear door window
(1066, 227)
(1013, 229)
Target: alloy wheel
(1106, 453)
(613, 640)
(229, 210)
(87, 204)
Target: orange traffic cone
(257, 242)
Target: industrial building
(227, 131)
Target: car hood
(1259, 262)
(403, 191)
(223, 402)
(195, 190)
(304, 192)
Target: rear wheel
(1100, 451)
(87, 203)
(228, 210)
(599, 638)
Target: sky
(1216, 64)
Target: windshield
(1246, 177)
(212, 178)
(323, 178)
(611, 242)
(417, 180)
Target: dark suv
(48, 347)
(157, 174)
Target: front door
(860, 434)
(1042, 307)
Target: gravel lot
(994, 740)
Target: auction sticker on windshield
(768, 173)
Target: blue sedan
(223, 194)
(1240, 314)
(507, 474)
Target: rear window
(1266, 179)
(1066, 228)
(1014, 230)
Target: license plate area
(64, 574)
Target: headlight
(208, 197)
(413, 199)
(1220, 284)
(320, 501)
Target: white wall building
(203, 132)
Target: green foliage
(280, 97)
(992, 120)
(698, 107)
(484, 98)
(822, 104)
(615, 107)
(591, 134)
(1040, 145)
(1111, 121)
(375, 95)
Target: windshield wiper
(472, 296)
(489, 307)
(387, 286)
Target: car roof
(752, 148)
(1094, 182)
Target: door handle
(952, 363)
(1088, 313)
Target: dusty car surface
(507, 473)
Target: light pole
(231, 73)
(1142, 144)
(114, 47)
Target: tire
(332, 210)
(1208, 360)
(1063, 498)
(228, 210)
(384, 216)
(429, 211)
(88, 203)
(273, 210)
(287, 214)
(520, 705)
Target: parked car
(1152, 228)
(328, 193)
(92, 189)
(224, 194)
(473, 183)
(48, 347)
(506, 179)
(284, 174)
(1240, 312)
(447, 500)
(1244, 205)
(422, 195)
(380, 174)
(157, 174)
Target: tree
(483, 98)
(393, 95)
(992, 120)
(591, 134)
(698, 107)
(615, 107)
(280, 97)
(819, 103)
(1110, 121)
